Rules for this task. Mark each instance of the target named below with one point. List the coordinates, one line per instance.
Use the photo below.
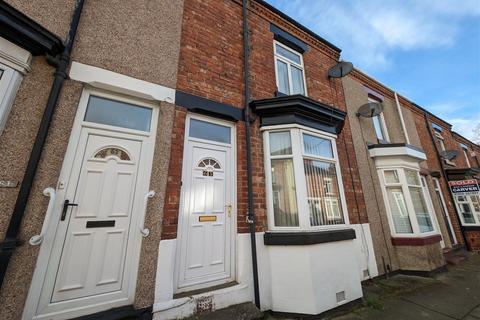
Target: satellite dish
(449, 154)
(370, 110)
(340, 70)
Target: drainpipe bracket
(9, 245)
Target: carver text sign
(464, 187)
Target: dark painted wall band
(208, 107)
(307, 238)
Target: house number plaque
(8, 184)
(207, 173)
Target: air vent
(366, 274)
(340, 296)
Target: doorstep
(200, 303)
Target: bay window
(469, 208)
(303, 180)
(407, 194)
(289, 70)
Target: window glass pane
(421, 211)
(322, 193)
(391, 176)
(377, 124)
(317, 146)
(467, 213)
(117, 113)
(283, 191)
(280, 143)
(412, 177)
(281, 51)
(282, 75)
(209, 131)
(401, 220)
(476, 203)
(442, 144)
(297, 81)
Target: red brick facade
(211, 66)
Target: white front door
(94, 254)
(207, 219)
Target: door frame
(183, 219)
(143, 184)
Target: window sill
(471, 227)
(307, 238)
(416, 241)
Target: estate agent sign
(464, 187)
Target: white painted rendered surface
(166, 307)
(297, 279)
(397, 152)
(165, 270)
(364, 253)
(112, 81)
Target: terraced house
(167, 158)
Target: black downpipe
(251, 209)
(11, 241)
(440, 160)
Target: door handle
(67, 204)
(229, 210)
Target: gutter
(61, 62)
(251, 208)
(442, 166)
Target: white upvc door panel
(206, 237)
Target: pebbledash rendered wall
(391, 255)
(109, 36)
(211, 66)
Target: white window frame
(469, 201)
(440, 140)
(9, 83)
(465, 153)
(408, 200)
(298, 155)
(289, 64)
(381, 120)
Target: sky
(426, 50)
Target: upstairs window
(379, 124)
(465, 153)
(440, 140)
(289, 70)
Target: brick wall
(211, 66)
(473, 239)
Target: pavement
(454, 294)
(449, 295)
